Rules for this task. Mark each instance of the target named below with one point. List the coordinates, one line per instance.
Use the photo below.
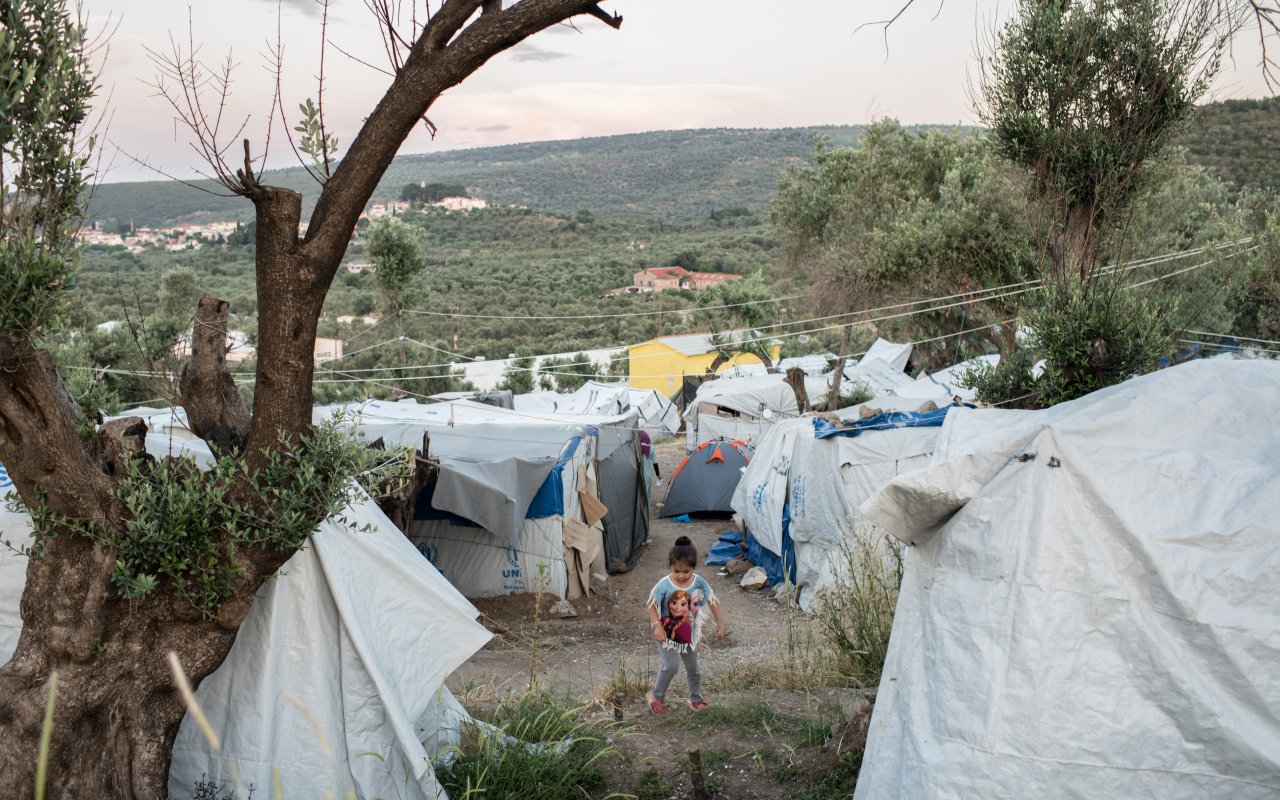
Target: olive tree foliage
(46, 84)
(1084, 96)
(399, 252)
(517, 376)
(567, 373)
(743, 316)
(134, 560)
(1254, 297)
(903, 218)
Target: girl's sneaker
(698, 705)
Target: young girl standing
(677, 609)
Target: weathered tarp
(818, 484)
(1089, 608)
(353, 638)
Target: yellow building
(662, 363)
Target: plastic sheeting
(752, 396)
(889, 352)
(823, 429)
(480, 564)
(819, 484)
(497, 468)
(658, 415)
(15, 533)
(361, 633)
(1090, 607)
(945, 383)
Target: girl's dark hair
(683, 552)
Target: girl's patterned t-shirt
(683, 635)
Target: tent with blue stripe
(523, 502)
(799, 496)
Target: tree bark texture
(837, 377)
(795, 379)
(215, 410)
(117, 712)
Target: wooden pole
(833, 397)
(695, 773)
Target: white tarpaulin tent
(1089, 609)
(517, 507)
(658, 415)
(892, 353)
(822, 482)
(592, 397)
(360, 631)
(758, 401)
(944, 384)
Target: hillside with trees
(1237, 140)
(667, 174)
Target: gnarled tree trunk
(117, 713)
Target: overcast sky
(674, 64)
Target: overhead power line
(1236, 336)
(554, 317)
(974, 296)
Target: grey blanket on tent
(493, 494)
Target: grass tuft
(855, 617)
(653, 786)
(750, 719)
(540, 748)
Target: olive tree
(398, 251)
(1085, 95)
(132, 559)
(888, 222)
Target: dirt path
(761, 737)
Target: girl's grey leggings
(669, 665)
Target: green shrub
(1090, 335)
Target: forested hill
(1237, 140)
(666, 174)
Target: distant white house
(460, 203)
(388, 209)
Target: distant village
(193, 236)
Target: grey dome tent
(704, 482)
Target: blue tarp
(549, 501)
(729, 546)
(890, 419)
(770, 562)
